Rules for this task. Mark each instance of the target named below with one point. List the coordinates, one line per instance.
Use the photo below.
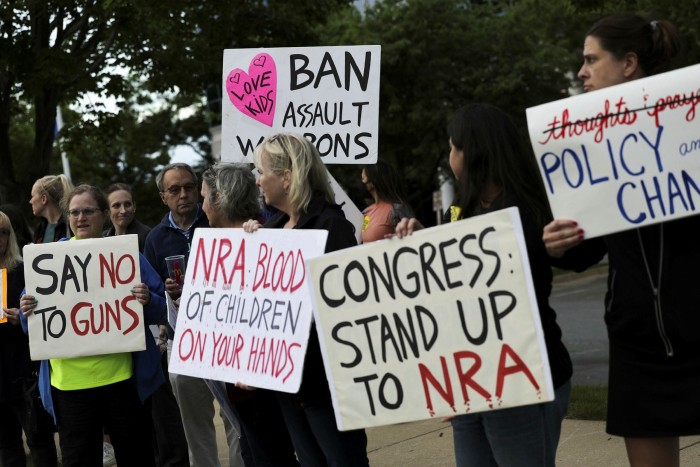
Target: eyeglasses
(4, 233)
(176, 189)
(87, 212)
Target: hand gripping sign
(328, 94)
(624, 156)
(83, 289)
(245, 312)
(444, 322)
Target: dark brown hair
(654, 42)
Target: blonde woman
(294, 180)
(47, 195)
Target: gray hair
(238, 198)
(174, 165)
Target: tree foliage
(437, 55)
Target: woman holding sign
(294, 180)
(496, 172)
(653, 295)
(230, 197)
(18, 412)
(112, 390)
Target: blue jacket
(147, 370)
(164, 240)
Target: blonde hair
(12, 256)
(55, 187)
(293, 152)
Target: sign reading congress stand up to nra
(328, 94)
(624, 156)
(444, 322)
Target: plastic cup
(176, 268)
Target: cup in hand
(176, 268)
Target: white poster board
(85, 305)
(622, 157)
(328, 94)
(444, 322)
(245, 311)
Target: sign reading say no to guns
(83, 289)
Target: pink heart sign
(255, 93)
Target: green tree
(55, 51)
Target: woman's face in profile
(121, 208)
(600, 68)
(209, 209)
(456, 161)
(272, 184)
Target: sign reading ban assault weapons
(443, 322)
(83, 289)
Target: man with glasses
(177, 184)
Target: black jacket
(62, 230)
(15, 362)
(541, 269)
(341, 234)
(135, 227)
(651, 305)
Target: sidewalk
(429, 443)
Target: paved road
(579, 307)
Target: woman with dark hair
(495, 171)
(122, 209)
(18, 372)
(652, 299)
(46, 201)
(294, 180)
(111, 390)
(382, 182)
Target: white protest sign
(624, 156)
(444, 322)
(328, 94)
(83, 289)
(245, 311)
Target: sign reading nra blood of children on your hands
(444, 322)
(624, 156)
(328, 94)
(83, 289)
(245, 311)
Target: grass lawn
(588, 403)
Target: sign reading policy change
(624, 156)
(245, 311)
(444, 322)
(328, 94)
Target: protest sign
(328, 94)
(3, 295)
(444, 322)
(85, 305)
(622, 157)
(245, 311)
